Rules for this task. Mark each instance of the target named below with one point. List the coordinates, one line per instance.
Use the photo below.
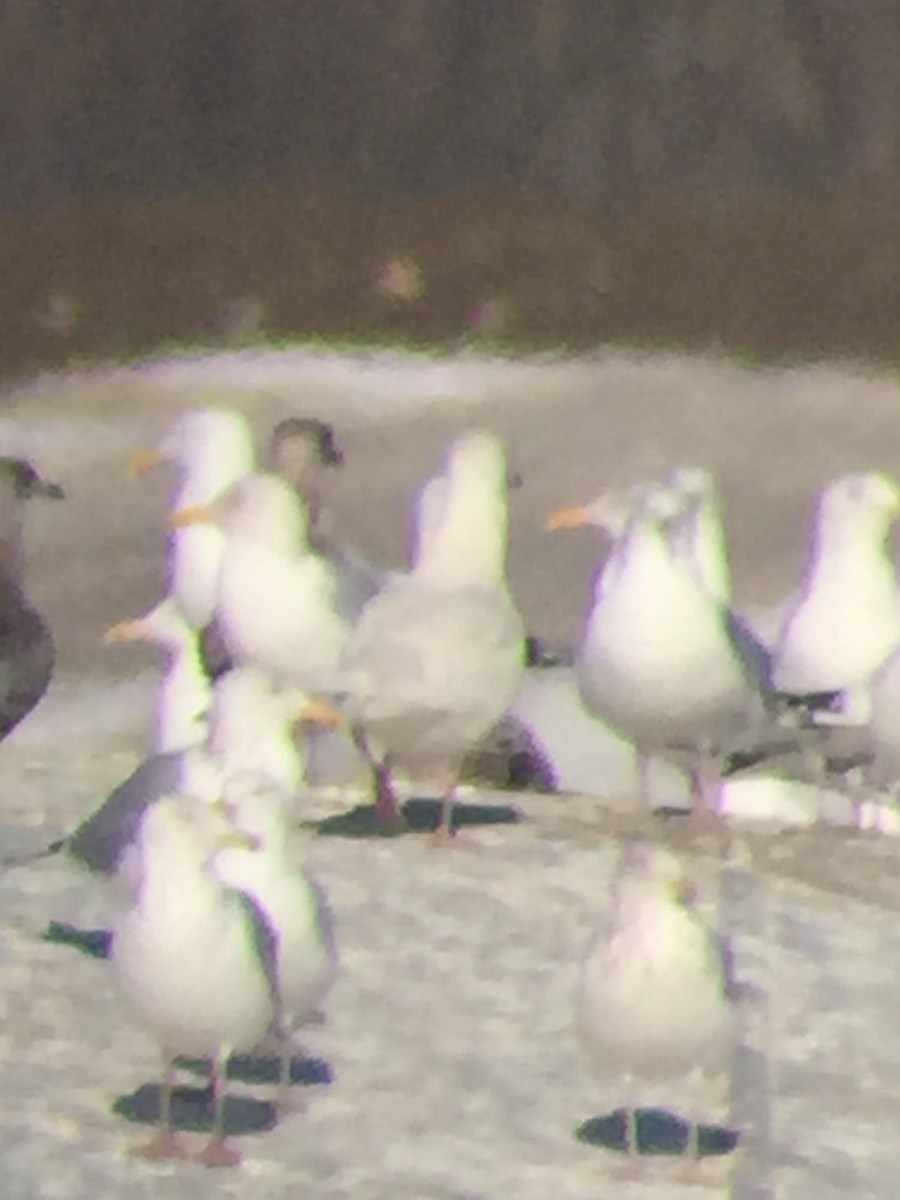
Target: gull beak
(686, 891)
(143, 461)
(194, 515)
(229, 837)
(125, 631)
(569, 518)
(322, 714)
(236, 839)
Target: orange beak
(321, 714)
(143, 461)
(195, 515)
(574, 517)
(125, 631)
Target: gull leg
(631, 1169)
(217, 1152)
(706, 793)
(387, 808)
(643, 773)
(445, 834)
(165, 1143)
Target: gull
(301, 450)
(883, 729)
(292, 902)
(249, 735)
(275, 599)
(185, 694)
(659, 660)
(845, 621)
(654, 1003)
(27, 651)
(194, 961)
(211, 448)
(435, 658)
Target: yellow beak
(195, 515)
(569, 518)
(143, 461)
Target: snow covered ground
(454, 1070)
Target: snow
(449, 1037)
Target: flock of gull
(274, 629)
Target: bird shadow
(192, 1110)
(419, 816)
(266, 1068)
(658, 1132)
(95, 943)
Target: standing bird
(846, 620)
(211, 449)
(194, 960)
(435, 658)
(653, 999)
(275, 599)
(659, 659)
(301, 450)
(249, 736)
(27, 651)
(292, 902)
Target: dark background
(708, 173)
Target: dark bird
(27, 651)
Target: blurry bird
(27, 651)
(195, 962)
(845, 621)
(211, 449)
(654, 999)
(435, 658)
(275, 599)
(660, 660)
(292, 902)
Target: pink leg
(631, 1168)
(706, 793)
(387, 808)
(218, 1152)
(643, 774)
(445, 834)
(165, 1143)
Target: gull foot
(695, 1173)
(630, 1169)
(288, 1104)
(219, 1153)
(164, 1145)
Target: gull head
(478, 455)
(616, 511)
(261, 509)
(300, 444)
(695, 483)
(647, 872)
(202, 442)
(860, 501)
(255, 812)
